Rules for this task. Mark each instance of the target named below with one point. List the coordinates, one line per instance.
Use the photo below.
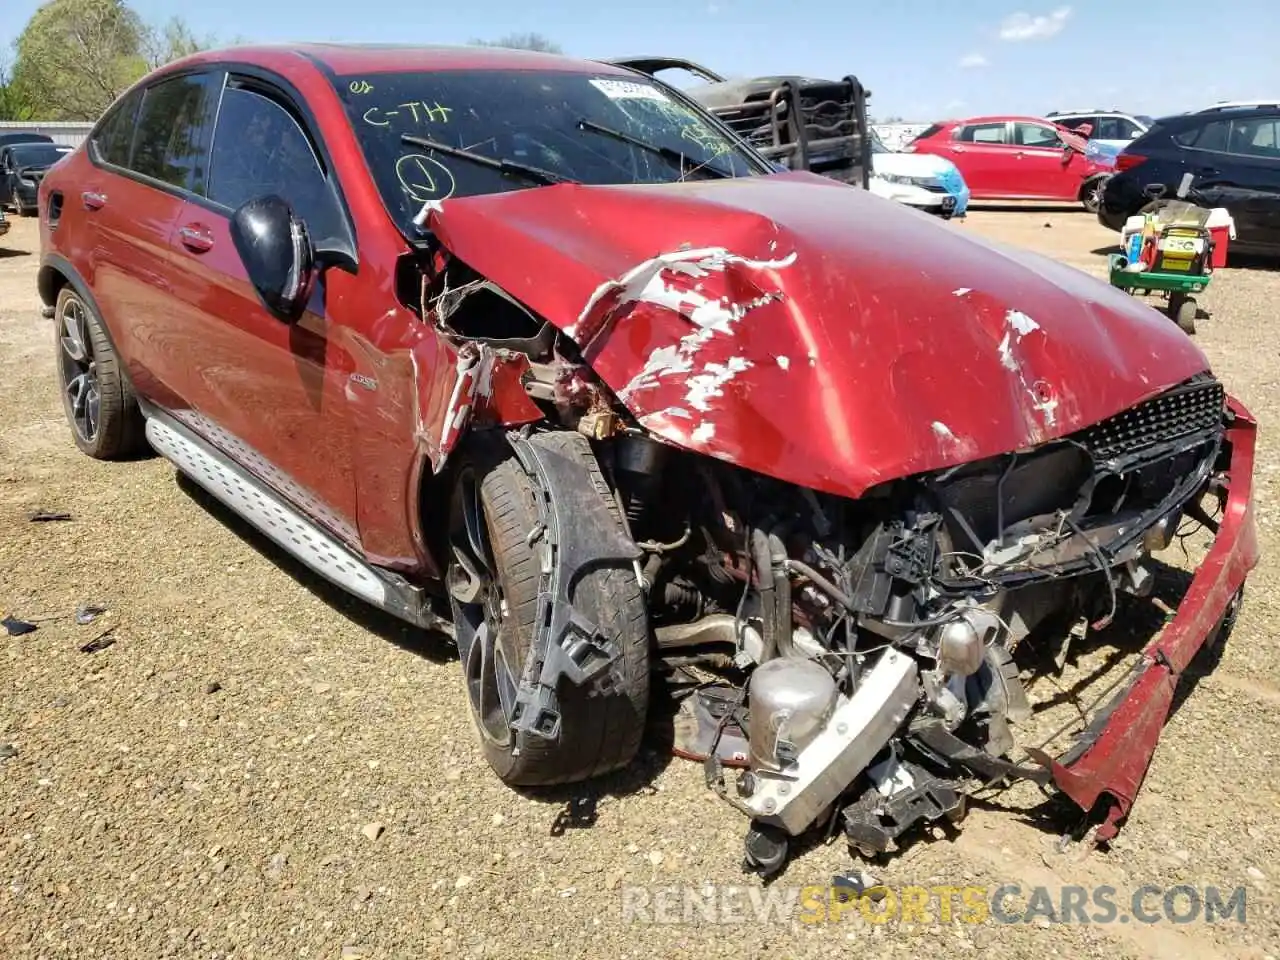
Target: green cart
(1177, 288)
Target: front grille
(1190, 408)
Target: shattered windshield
(551, 120)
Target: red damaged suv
(533, 351)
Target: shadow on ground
(578, 802)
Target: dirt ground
(208, 785)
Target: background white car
(920, 180)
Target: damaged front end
(860, 651)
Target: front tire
(1091, 195)
(97, 398)
(492, 513)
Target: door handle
(195, 238)
(958, 149)
(93, 200)
(1208, 171)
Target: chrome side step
(247, 497)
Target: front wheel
(494, 581)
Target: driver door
(269, 393)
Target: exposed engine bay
(854, 657)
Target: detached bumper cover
(1114, 760)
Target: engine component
(946, 695)
(858, 729)
(962, 641)
(765, 849)
(707, 722)
(791, 699)
(641, 460)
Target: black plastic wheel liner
(578, 531)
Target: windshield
(550, 120)
(37, 154)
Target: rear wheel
(494, 581)
(96, 396)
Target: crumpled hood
(808, 330)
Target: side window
(1214, 136)
(1128, 130)
(985, 133)
(170, 145)
(1109, 128)
(1258, 138)
(259, 148)
(115, 135)
(1036, 135)
(1188, 138)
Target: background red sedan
(1015, 158)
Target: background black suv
(1234, 157)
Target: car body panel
(1055, 349)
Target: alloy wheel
(482, 623)
(80, 371)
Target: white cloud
(973, 60)
(1023, 26)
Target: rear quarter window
(114, 137)
(172, 140)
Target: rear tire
(97, 397)
(598, 733)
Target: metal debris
(100, 642)
(48, 516)
(17, 628)
(88, 612)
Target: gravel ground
(256, 767)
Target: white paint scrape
(1021, 323)
(942, 431)
(961, 292)
(644, 283)
(784, 362)
(711, 381)
(704, 432)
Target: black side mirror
(276, 251)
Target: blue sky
(922, 59)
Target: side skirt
(267, 511)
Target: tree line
(74, 57)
